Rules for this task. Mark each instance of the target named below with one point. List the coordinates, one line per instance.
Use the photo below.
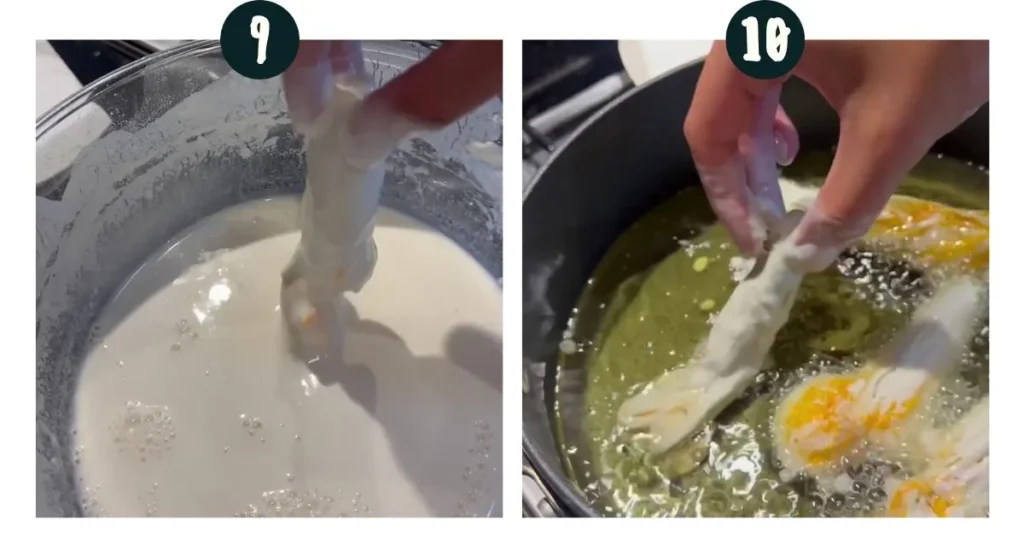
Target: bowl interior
(140, 155)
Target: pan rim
(565, 492)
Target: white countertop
(645, 60)
(54, 81)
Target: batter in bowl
(336, 252)
(191, 403)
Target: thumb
(787, 141)
(308, 82)
(730, 129)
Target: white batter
(192, 405)
(677, 404)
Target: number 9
(259, 28)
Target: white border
(521, 19)
(511, 20)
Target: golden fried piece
(933, 233)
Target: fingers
(787, 142)
(726, 104)
(310, 54)
(307, 82)
(873, 157)
(733, 203)
(448, 84)
(346, 57)
(733, 129)
(759, 150)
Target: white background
(54, 81)
(512, 20)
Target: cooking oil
(652, 300)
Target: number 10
(777, 39)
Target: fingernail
(759, 233)
(782, 155)
(731, 203)
(738, 222)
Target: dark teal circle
(766, 67)
(240, 48)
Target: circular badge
(765, 39)
(259, 39)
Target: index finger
(726, 104)
(307, 81)
(448, 84)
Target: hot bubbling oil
(650, 302)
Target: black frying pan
(619, 165)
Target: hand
(448, 84)
(894, 100)
(345, 133)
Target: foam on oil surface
(650, 302)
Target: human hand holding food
(346, 132)
(894, 100)
(446, 85)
